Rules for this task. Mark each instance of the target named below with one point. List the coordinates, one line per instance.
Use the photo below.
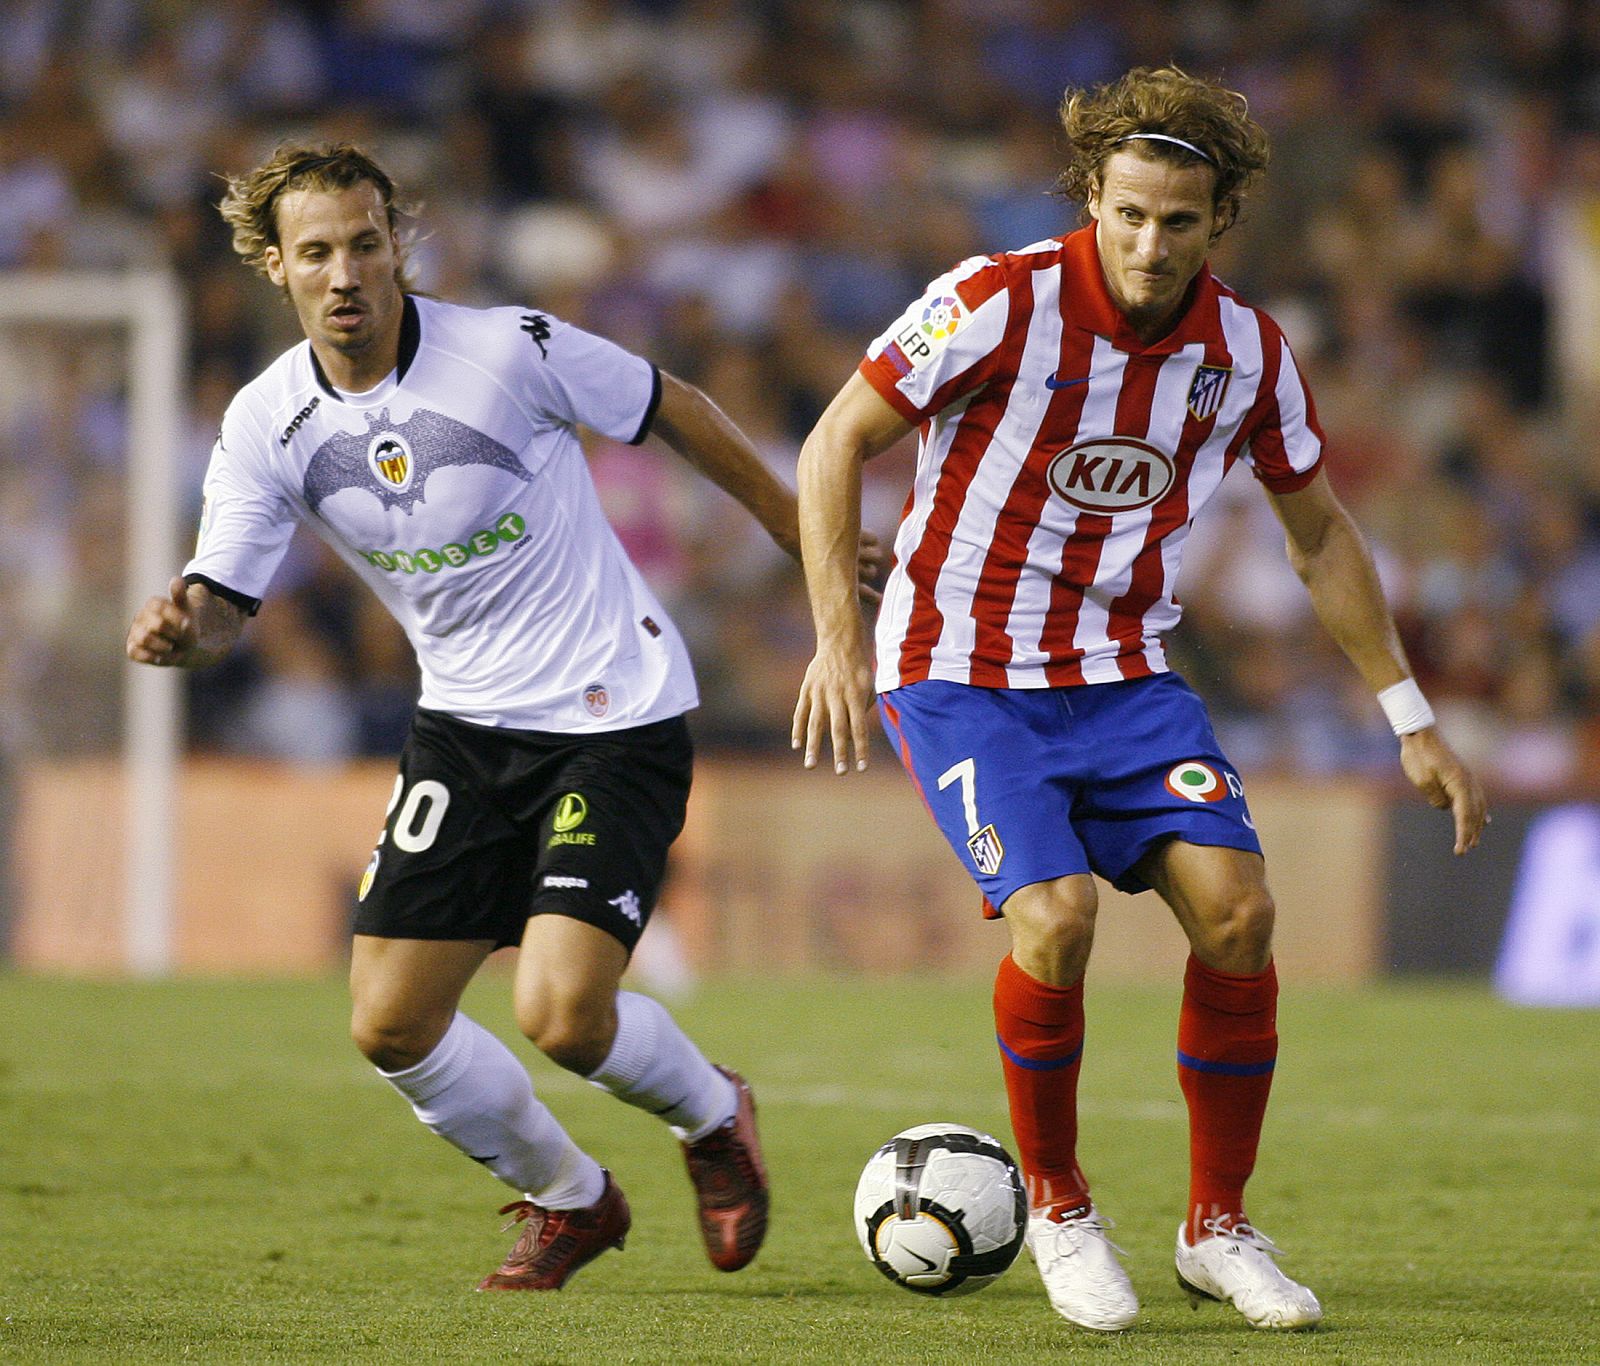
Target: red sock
(1227, 1048)
(1040, 1031)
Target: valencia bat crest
(394, 459)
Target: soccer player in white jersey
(1078, 401)
(434, 448)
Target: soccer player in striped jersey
(435, 449)
(1077, 402)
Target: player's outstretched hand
(835, 700)
(870, 557)
(163, 630)
(1446, 782)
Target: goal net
(92, 417)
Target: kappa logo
(295, 423)
(537, 326)
(1112, 474)
(628, 904)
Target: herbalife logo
(571, 812)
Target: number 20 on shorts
(417, 825)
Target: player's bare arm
(1330, 555)
(836, 696)
(699, 431)
(190, 628)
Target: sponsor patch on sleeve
(925, 331)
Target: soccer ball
(941, 1209)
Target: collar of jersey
(1087, 304)
(410, 339)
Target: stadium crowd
(747, 192)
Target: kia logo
(1112, 474)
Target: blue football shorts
(1031, 784)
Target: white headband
(1176, 142)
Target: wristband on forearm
(1405, 706)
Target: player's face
(1155, 221)
(337, 257)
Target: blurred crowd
(746, 193)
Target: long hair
(1168, 101)
(250, 206)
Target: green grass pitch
(207, 1171)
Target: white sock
(472, 1092)
(653, 1065)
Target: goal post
(149, 306)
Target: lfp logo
(942, 317)
(389, 459)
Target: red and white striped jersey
(1062, 463)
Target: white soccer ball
(941, 1209)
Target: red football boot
(730, 1181)
(556, 1242)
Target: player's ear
(1091, 203)
(272, 259)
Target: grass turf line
(207, 1171)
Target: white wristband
(1405, 706)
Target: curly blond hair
(1170, 102)
(250, 206)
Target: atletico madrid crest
(1207, 390)
(986, 850)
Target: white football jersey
(457, 489)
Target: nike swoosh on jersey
(436, 441)
(1051, 382)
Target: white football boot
(1081, 1274)
(1238, 1266)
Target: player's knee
(393, 1043)
(1237, 937)
(574, 1032)
(1052, 929)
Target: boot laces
(1246, 1235)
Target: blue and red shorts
(1034, 784)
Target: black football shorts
(487, 827)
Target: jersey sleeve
(945, 344)
(577, 377)
(246, 522)
(1285, 445)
